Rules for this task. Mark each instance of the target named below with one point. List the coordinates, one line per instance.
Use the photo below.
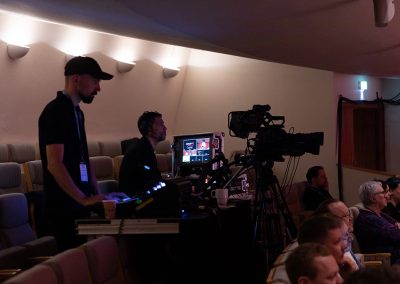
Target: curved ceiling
(335, 35)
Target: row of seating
(97, 261)
(24, 152)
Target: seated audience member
(384, 274)
(339, 209)
(330, 231)
(312, 263)
(317, 190)
(393, 206)
(375, 230)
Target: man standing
(69, 184)
(317, 190)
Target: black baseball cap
(85, 65)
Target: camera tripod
(273, 222)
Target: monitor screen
(192, 151)
(196, 150)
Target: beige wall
(29, 83)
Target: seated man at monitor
(139, 165)
(139, 174)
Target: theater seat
(34, 175)
(104, 260)
(71, 267)
(93, 148)
(15, 228)
(293, 194)
(163, 147)
(40, 273)
(10, 178)
(13, 258)
(117, 163)
(4, 153)
(110, 148)
(21, 153)
(102, 166)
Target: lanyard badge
(84, 172)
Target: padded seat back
(13, 257)
(14, 220)
(34, 175)
(163, 147)
(71, 267)
(102, 166)
(40, 273)
(104, 260)
(117, 163)
(110, 148)
(354, 211)
(21, 153)
(164, 162)
(10, 178)
(293, 194)
(4, 153)
(93, 148)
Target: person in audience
(70, 186)
(330, 231)
(317, 190)
(139, 165)
(375, 230)
(339, 209)
(311, 263)
(393, 206)
(373, 275)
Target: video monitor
(193, 149)
(191, 152)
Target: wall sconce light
(170, 72)
(383, 12)
(17, 51)
(124, 67)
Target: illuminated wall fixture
(124, 67)
(170, 72)
(17, 51)
(362, 86)
(383, 12)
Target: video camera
(272, 142)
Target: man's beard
(85, 99)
